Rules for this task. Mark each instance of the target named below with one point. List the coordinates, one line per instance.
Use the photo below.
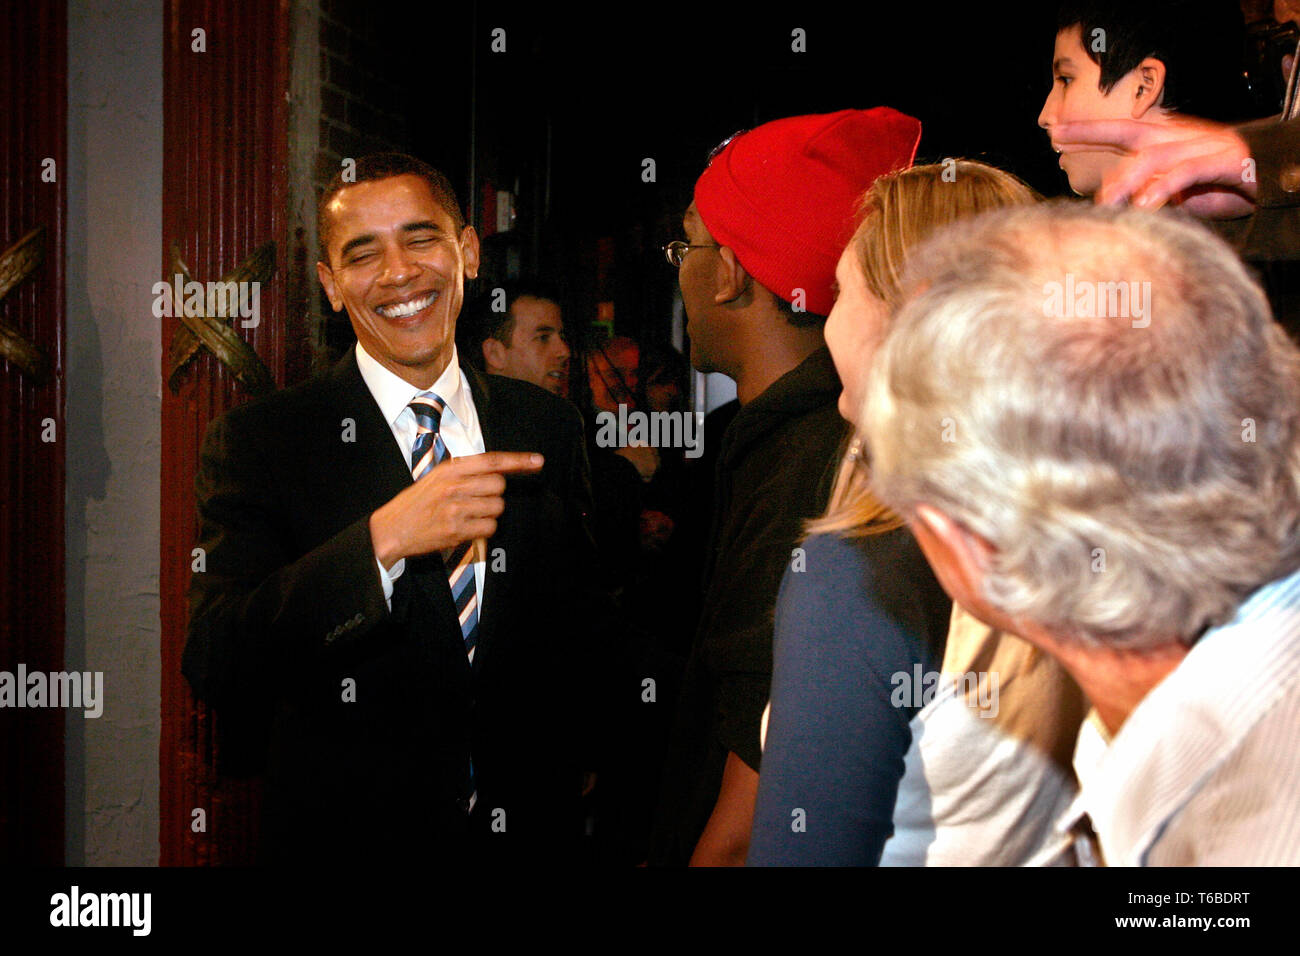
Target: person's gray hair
(1136, 470)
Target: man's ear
(494, 355)
(326, 276)
(959, 556)
(470, 247)
(1151, 86)
(733, 280)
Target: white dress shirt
(459, 428)
(1204, 771)
(971, 793)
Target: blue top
(860, 611)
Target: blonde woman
(895, 738)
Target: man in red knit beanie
(770, 217)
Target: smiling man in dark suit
(394, 601)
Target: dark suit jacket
(366, 718)
(1274, 229)
(1269, 240)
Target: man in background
(518, 331)
(1140, 62)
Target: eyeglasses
(713, 153)
(676, 251)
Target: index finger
(1125, 134)
(501, 462)
(1149, 172)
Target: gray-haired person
(1091, 422)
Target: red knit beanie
(784, 196)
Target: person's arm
(1274, 231)
(1212, 170)
(1202, 166)
(255, 605)
(259, 610)
(725, 840)
(1275, 148)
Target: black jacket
(775, 470)
(1269, 240)
(289, 614)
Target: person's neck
(1115, 680)
(421, 377)
(771, 358)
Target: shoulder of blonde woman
(1038, 702)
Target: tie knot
(428, 409)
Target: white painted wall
(114, 182)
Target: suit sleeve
(1274, 231)
(259, 612)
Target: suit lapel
(480, 389)
(376, 461)
(374, 438)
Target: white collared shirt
(459, 429)
(1204, 770)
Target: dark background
(566, 115)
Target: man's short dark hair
(383, 166)
(1200, 42)
(480, 321)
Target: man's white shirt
(1204, 770)
(459, 429)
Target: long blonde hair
(899, 211)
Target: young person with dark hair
(1147, 62)
(1244, 178)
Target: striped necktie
(427, 451)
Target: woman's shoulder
(877, 590)
(864, 560)
(827, 570)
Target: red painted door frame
(225, 193)
(33, 152)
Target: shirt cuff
(388, 576)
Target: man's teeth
(407, 308)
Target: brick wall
(361, 100)
(349, 93)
